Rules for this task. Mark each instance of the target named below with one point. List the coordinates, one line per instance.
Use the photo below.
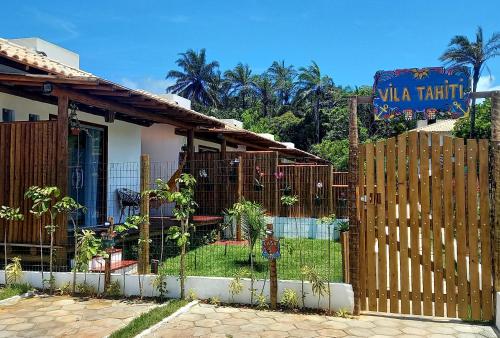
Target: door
(86, 179)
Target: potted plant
(259, 174)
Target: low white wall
(341, 295)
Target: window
(8, 115)
(34, 117)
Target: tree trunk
(475, 79)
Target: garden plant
(8, 214)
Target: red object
(116, 266)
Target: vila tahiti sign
(426, 93)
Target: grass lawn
(226, 260)
(13, 290)
(148, 319)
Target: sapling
(70, 207)
(8, 214)
(121, 230)
(329, 221)
(185, 207)
(13, 271)
(43, 200)
(88, 246)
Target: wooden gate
(28, 156)
(425, 226)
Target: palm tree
(265, 92)
(462, 52)
(283, 78)
(313, 87)
(194, 80)
(241, 81)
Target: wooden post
(240, 194)
(143, 264)
(344, 241)
(107, 260)
(353, 219)
(495, 140)
(190, 150)
(330, 191)
(273, 275)
(62, 143)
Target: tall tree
(283, 78)
(265, 92)
(313, 87)
(463, 52)
(241, 81)
(193, 82)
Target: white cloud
(487, 83)
(59, 23)
(150, 84)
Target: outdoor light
(47, 88)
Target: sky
(136, 43)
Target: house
(64, 126)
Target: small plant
(14, 271)
(289, 299)
(289, 200)
(343, 226)
(343, 313)
(192, 295)
(214, 301)
(66, 289)
(85, 289)
(262, 303)
(8, 214)
(318, 285)
(160, 281)
(236, 286)
(114, 289)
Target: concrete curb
(13, 299)
(180, 311)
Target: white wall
(341, 295)
(124, 143)
(497, 321)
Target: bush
(289, 299)
(336, 152)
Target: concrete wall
(497, 319)
(341, 295)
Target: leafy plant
(343, 313)
(66, 289)
(214, 301)
(262, 303)
(114, 289)
(289, 200)
(160, 280)
(192, 295)
(236, 286)
(121, 230)
(185, 207)
(88, 246)
(14, 271)
(85, 289)
(318, 285)
(289, 299)
(8, 214)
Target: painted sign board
(425, 93)
(271, 248)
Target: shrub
(114, 289)
(14, 271)
(289, 299)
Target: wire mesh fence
(215, 246)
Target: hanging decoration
(74, 123)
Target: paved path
(59, 316)
(209, 321)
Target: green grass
(226, 261)
(148, 319)
(14, 290)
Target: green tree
(313, 87)
(283, 78)
(8, 214)
(264, 90)
(194, 81)
(336, 152)
(483, 122)
(242, 82)
(463, 52)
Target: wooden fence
(264, 177)
(425, 226)
(27, 157)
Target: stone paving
(58, 316)
(208, 321)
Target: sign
(271, 248)
(426, 93)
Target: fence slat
(448, 224)
(484, 207)
(403, 224)
(463, 294)
(414, 226)
(370, 229)
(381, 227)
(472, 189)
(425, 224)
(391, 218)
(437, 225)
(362, 227)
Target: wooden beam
(62, 143)
(118, 107)
(47, 78)
(109, 116)
(109, 93)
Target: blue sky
(136, 42)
